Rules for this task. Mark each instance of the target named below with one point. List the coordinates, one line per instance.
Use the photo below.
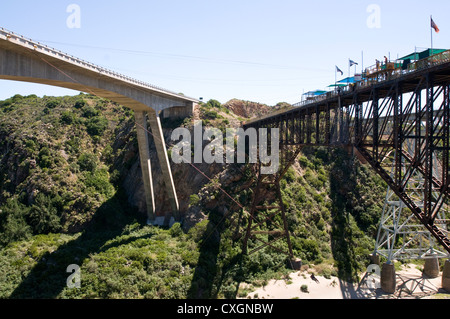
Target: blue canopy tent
(311, 95)
(314, 93)
(347, 80)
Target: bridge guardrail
(395, 72)
(434, 60)
(33, 45)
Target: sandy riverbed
(411, 283)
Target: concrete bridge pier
(388, 279)
(161, 150)
(431, 267)
(374, 259)
(146, 166)
(446, 276)
(144, 154)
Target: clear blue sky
(266, 51)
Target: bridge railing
(43, 48)
(431, 61)
(379, 74)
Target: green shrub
(97, 125)
(73, 144)
(52, 104)
(304, 162)
(89, 112)
(214, 103)
(308, 249)
(99, 181)
(312, 179)
(43, 216)
(198, 231)
(67, 117)
(210, 115)
(88, 162)
(175, 230)
(289, 176)
(16, 98)
(13, 226)
(31, 146)
(80, 104)
(194, 200)
(45, 159)
(6, 103)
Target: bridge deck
(409, 82)
(23, 59)
(399, 125)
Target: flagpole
(335, 78)
(431, 29)
(362, 62)
(348, 79)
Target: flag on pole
(352, 63)
(434, 26)
(339, 70)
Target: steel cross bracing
(266, 222)
(376, 121)
(400, 236)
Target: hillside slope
(71, 193)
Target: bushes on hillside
(13, 225)
(45, 159)
(52, 104)
(98, 182)
(88, 162)
(18, 221)
(43, 216)
(97, 125)
(67, 117)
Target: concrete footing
(296, 263)
(446, 276)
(388, 280)
(431, 267)
(161, 221)
(374, 259)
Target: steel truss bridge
(398, 123)
(397, 120)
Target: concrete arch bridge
(23, 59)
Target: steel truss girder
(391, 127)
(376, 122)
(399, 235)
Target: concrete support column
(296, 263)
(431, 267)
(388, 280)
(374, 259)
(158, 137)
(446, 276)
(146, 167)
